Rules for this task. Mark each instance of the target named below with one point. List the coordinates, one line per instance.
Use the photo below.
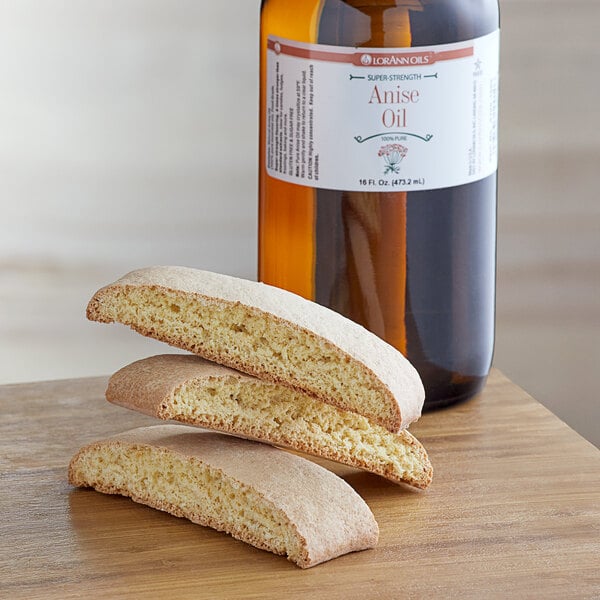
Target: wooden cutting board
(513, 512)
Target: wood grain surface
(513, 512)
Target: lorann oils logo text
(396, 60)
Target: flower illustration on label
(392, 155)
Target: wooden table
(513, 512)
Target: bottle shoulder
(384, 23)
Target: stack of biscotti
(269, 366)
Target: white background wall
(128, 132)
(128, 137)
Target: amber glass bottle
(405, 246)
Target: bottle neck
(367, 23)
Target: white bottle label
(381, 119)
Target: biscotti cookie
(259, 494)
(269, 333)
(192, 390)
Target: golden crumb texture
(194, 391)
(259, 494)
(270, 333)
